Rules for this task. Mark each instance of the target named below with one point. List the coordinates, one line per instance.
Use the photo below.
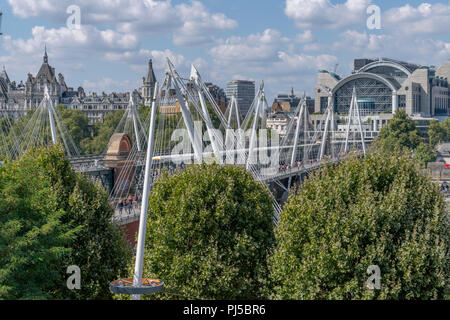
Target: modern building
(384, 86)
(244, 91)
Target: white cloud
(426, 51)
(140, 57)
(270, 57)
(109, 85)
(305, 37)
(254, 49)
(266, 53)
(68, 49)
(363, 43)
(67, 43)
(442, 49)
(189, 24)
(32, 8)
(199, 25)
(425, 19)
(93, 12)
(323, 14)
(292, 63)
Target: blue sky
(283, 42)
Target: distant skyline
(283, 43)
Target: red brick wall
(131, 230)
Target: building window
(402, 101)
(323, 104)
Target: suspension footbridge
(199, 132)
(140, 150)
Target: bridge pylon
(43, 128)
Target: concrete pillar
(394, 102)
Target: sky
(281, 42)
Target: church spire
(45, 55)
(4, 75)
(150, 74)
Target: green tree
(33, 238)
(379, 210)
(208, 234)
(446, 125)
(424, 153)
(77, 124)
(102, 134)
(51, 218)
(144, 112)
(439, 131)
(401, 132)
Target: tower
(148, 85)
(45, 55)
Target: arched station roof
(384, 63)
(388, 82)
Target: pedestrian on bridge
(135, 201)
(120, 207)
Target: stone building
(95, 106)
(148, 85)
(384, 86)
(17, 99)
(288, 103)
(278, 121)
(98, 106)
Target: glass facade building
(244, 91)
(386, 85)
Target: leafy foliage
(439, 131)
(377, 211)
(33, 238)
(102, 134)
(208, 234)
(424, 153)
(77, 124)
(401, 132)
(51, 218)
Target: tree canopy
(102, 133)
(379, 210)
(439, 131)
(77, 124)
(51, 218)
(401, 134)
(208, 233)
